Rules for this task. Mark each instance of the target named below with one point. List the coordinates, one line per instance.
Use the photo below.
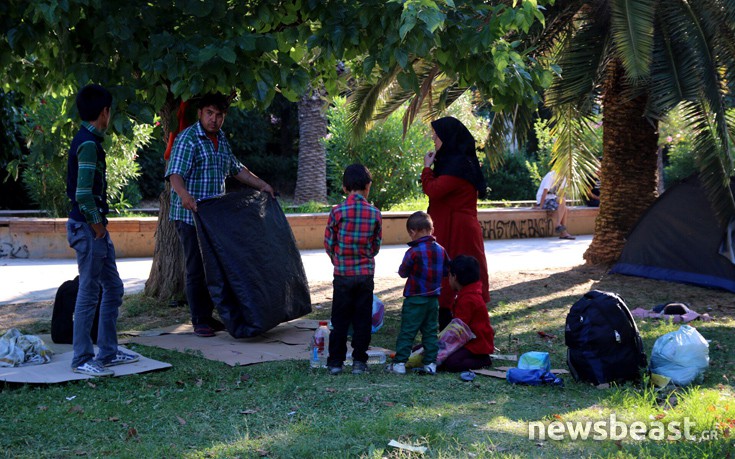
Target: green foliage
(512, 181)
(10, 135)
(48, 131)
(394, 161)
(152, 167)
(677, 141)
(265, 142)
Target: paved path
(30, 281)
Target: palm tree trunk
(629, 168)
(166, 279)
(311, 181)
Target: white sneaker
(397, 368)
(122, 358)
(430, 369)
(93, 368)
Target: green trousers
(419, 313)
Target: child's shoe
(397, 368)
(335, 370)
(359, 368)
(429, 369)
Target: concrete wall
(135, 237)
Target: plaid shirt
(424, 266)
(352, 237)
(204, 170)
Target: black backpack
(603, 342)
(62, 319)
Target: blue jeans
(96, 263)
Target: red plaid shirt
(353, 235)
(424, 266)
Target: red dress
(453, 208)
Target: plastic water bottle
(320, 346)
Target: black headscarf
(457, 156)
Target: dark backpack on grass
(603, 342)
(62, 319)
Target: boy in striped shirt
(352, 239)
(423, 266)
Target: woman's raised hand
(429, 158)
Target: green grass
(201, 408)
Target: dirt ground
(533, 287)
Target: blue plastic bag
(532, 377)
(378, 313)
(535, 360)
(681, 355)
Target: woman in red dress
(453, 187)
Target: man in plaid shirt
(352, 239)
(424, 266)
(200, 162)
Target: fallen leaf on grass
(92, 385)
(80, 453)
(128, 402)
(114, 419)
(248, 411)
(389, 404)
(181, 420)
(180, 382)
(558, 417)
(76, 409)
(132, 433)
(199, 382)
(263, 452)
(42, 408)
(245, 377)
(492, 402)
(330, 389)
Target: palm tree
(634, 61)
(311, 179)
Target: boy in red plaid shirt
(424, 266)
(352, 239)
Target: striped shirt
(90, 169)
(424, 265)
(203, 167)
(352, 236)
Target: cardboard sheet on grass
(59, 368)
(288, 341)
(254, 271)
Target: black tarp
(679, 239)
(253, 268)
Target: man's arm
(250, 179)
(87, 160)
(187, 200)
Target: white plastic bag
(681, 355)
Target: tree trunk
(166, 280)
(629, 168)
(311, 181)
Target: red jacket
(470, 308)
(453, 208)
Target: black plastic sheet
(254, 270)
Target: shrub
(394, 161)
(513, 180)
(48, 131)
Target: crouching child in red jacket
(470, 308)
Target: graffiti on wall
(517, 229)
(8, 250)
